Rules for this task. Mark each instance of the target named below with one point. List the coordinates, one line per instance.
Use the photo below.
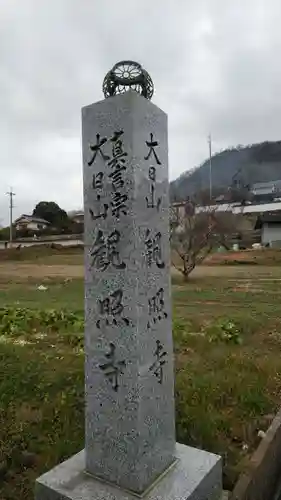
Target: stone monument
(130, 447)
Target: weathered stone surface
(130, 448)
(130, 436)
(195, 476)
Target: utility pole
(11, 195)
(210, 167)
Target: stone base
(197, 475)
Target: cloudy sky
(215, 66)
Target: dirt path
(24, 271)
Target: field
(227, 334)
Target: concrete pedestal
(196, 475)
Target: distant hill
(243, 164)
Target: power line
(11, 206)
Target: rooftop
(31, 218)
(270, 186)
(269, 217)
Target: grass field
(227, 333)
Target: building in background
(269, 223)
(30, 223)
(77, 217)
(265, 191)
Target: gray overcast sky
(215, 66)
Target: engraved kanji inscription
(153, 252)
(118, 160)
(118, 152)
(97, 182)
(156, 308)
(117, 177)
(157, 366)
(102, 214)
(105, 251)
(111, 309)
(152, 145)
(117, 165)
(152, 174)
(150, 200)
(113, 368)
(118, 204)
(97, 148)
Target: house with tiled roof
(30, 223)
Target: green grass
(225, 391)
(227, 337)
(59, 294)
(42, 409)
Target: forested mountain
(242, 165)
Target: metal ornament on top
(128, 75)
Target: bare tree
(194, 235)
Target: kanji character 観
(105, 251)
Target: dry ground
(21, 271)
